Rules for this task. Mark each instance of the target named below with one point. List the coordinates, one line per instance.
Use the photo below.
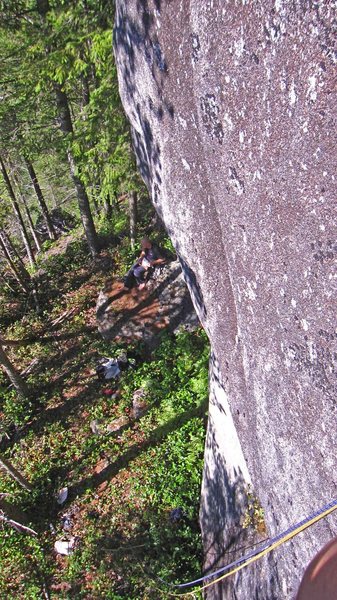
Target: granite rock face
(231, 108)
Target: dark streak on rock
(210, 112)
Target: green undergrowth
(134, 490)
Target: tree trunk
(66, 127)
(18, 276)
(133, 218)
(53, 197)
(33, 231)
(18, 214)
(42, 203)
(12, 251)
(14, 375)
(22, 276)
(84, 206)
(21, 273)
(29, 249)
(12, 472)
(29, 218)
(94, 199)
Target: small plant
(254, 516)
(24, 568)
(16, 410)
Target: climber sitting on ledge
(142, 270)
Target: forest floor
(132, 471)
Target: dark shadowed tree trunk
(14, 375)
(82, 197)
(42, 203)
(133, 217)
(18, 214)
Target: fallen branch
(17, 526)
(28, 370)
(63, 316)
(13, 516)
(30, 367)
(6, 466)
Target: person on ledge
(142, 270)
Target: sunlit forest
(96, 501)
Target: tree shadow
(224, 508)
(60, 412)
(154, 439)
(56, 383)
(138, 39)
(46, 339)
(103, 307)
(44, 505)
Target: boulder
(61, 220)
(164, 303)
(231, 109)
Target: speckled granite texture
(231, 107)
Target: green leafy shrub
(156, 460)
(23, 566)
